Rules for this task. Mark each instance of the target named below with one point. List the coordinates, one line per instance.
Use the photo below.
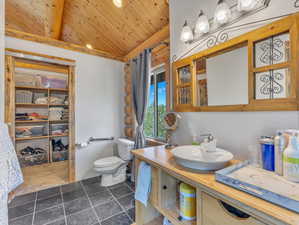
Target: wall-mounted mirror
(225, 79)
(257, 71)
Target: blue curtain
(140, 69)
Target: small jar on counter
(267, 153)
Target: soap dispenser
(291, 159)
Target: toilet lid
(108, 161)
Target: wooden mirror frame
(288, 24)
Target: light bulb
(222, 13)
(186, 34)
(118, 3)
(247, 5)
(202, 24)
(89, 46)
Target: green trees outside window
(156, 108)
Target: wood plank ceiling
(96, 22)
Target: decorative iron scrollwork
(271, 52)
(271, 85)
(214, 40)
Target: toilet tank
(124, 147)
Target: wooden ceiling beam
(53, 23)
(60, 44)
(161, 35)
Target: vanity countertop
(162, 158)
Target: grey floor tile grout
(51, 207)
(93, 209)
(34, 208)
(65, 220)
(53, 221)
(116, 214)
(88, 196)
(125, 195)
(48, 196)
(19, 217)
(125, 211)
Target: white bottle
(291, 160)
(279, 143)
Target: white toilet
(113, 169)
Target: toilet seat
(108, 162)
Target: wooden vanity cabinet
(164, 201)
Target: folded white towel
(10, 172)
(144, 181)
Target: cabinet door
(216, 212)
(184, 86)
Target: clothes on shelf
(32, 151)
(28, 131)
(59, 129)
(58, 146)
(58, 113)
(41, 100)
(30, 116)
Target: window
(156, 107)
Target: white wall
(235, 131)
(2, 25)
(99, 100)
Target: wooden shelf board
(60, 135)
(203, 71)
(30, 105)
(58, 89)
(41, 88)
(184, 85)
(39, 105)
(156, 221)
(32, 121)
(41, 137)
(64, 105)
(173, 215)
(58, 121)
(31, 138)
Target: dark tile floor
(82, 203)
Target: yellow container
(187, 202)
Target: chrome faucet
(209, 136)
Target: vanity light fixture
(89, 46)
(186, 34)
(225, 14)
(202, 24)
(246, 5)
(118, 3)
(222, 13)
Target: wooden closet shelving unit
(52, 171)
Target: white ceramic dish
(193, 157)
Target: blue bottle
(268, 153)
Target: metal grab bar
(93, 139)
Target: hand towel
(10, 172)
(144, 181)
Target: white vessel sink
(193, 156)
